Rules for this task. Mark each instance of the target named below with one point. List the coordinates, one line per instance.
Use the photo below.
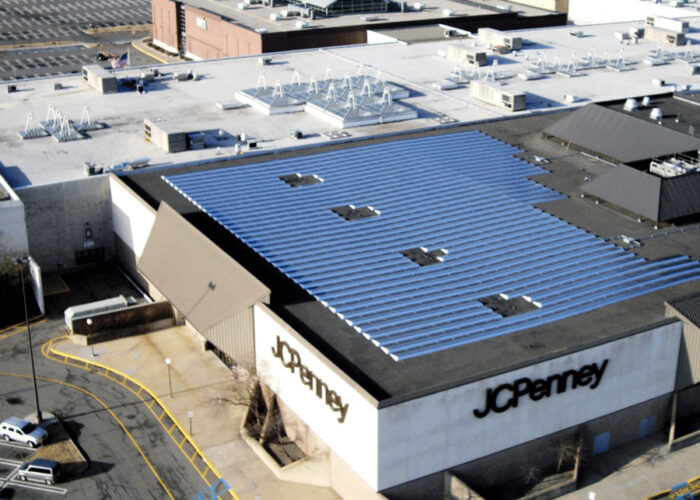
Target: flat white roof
(257, 16)
(192, 104)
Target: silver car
(40, 470)
(15, 429)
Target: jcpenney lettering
(506, 396)
(290, 359)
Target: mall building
(418, 308)
(438, 292)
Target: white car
(15, 429)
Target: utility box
(498, 38)
(167, 136)
(667, 23)
(514, 101)
(100, 79)
(665, 36)
(461, 55)
(92, 308)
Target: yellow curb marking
(149, 54)
(117, 29)
(51, 352)
(121, 424)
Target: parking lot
(12, 456)
(127, 452)
(49, 38)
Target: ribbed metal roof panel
(464, 192)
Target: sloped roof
(619, 136)
(197, 277)
(462, 192)
(688, 306)
(323, 4)
(628, 188)
(654, 198)
(680, 196)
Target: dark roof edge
(538, 359)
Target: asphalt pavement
(39, 38)
(130, 454)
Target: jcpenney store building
(417, 353)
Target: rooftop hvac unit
(448, 12)
(275, 16)
(646, 101)
(243, 5)
(418, 6)
(529, 74)
(658, 82)
(656, 114)
(630, 105)
(182, 76)
(507, 8)
(369, 18)
(302, 24)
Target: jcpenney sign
(289, 357)
(506, 396)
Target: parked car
(15, 429)
(40, 470)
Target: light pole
(168, 362)
(92, 346)
(21, 263)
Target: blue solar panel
(464, 192)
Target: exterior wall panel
(13, 228)
(354, 439)
(57, 216)
(437, 439)
(210, 37)
(235, 336)
(689, 355)
(164, 14)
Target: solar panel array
(463, 192)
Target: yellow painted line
(121, 424)
(117, 29)
(66, 288)
(20, 328)
(22, 324)
(49, 350)
(37, 44)
(149, 54)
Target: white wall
(355, 439)
(439, 431)
(57, 216)
(132, 218)
(605, 11)
(13, 229)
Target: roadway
(130, 454)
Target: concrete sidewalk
(205, 386)
(160, 56)
(637, 470)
